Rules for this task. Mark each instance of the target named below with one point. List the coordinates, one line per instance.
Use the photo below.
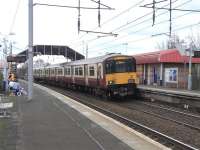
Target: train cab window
(131, 67)
(119, 66)
(110, 67)
(124, 65)
(91, 71)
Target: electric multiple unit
(110, 75)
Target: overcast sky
(58, 26)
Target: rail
(168, 141)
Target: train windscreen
(120, 66)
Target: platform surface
(52, 121)
(192, 93)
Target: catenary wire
(141, 17)
(146, 27)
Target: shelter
(167, 68)
(47, 50)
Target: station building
(168, 68)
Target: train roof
(93, 60)
(49, 66)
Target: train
(110, 75)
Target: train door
(154, 75)
(99, 74)
(86, 74)
(148, 74)
(73, 80)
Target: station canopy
(47, 50)
(164, 56)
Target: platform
(52, 121)
(191, 93)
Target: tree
(194, 41)
(170, 43)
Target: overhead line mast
(79, 7)
(170, 9)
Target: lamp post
(5, 73)
(30, 49)
(5, 65)
(190, 70)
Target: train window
(67, 71)
(59, 71)
(52, 71)
(91, 71)
(80, 70)
(46, 72)
(119, 66)
(124, 65)
(132, 66)
(76, 71)
(110, 67)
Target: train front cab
(120, 75)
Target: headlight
(111, 82)
(131, 81)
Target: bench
(3, 109)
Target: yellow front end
(122, 84)
(121, 78)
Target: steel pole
(30, 50)
(5, 72)
(190, 71)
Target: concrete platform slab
(75, 126)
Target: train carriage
(111, 75)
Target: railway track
(173, 110)
(187, 119)
(158, 136)
(166, 140)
